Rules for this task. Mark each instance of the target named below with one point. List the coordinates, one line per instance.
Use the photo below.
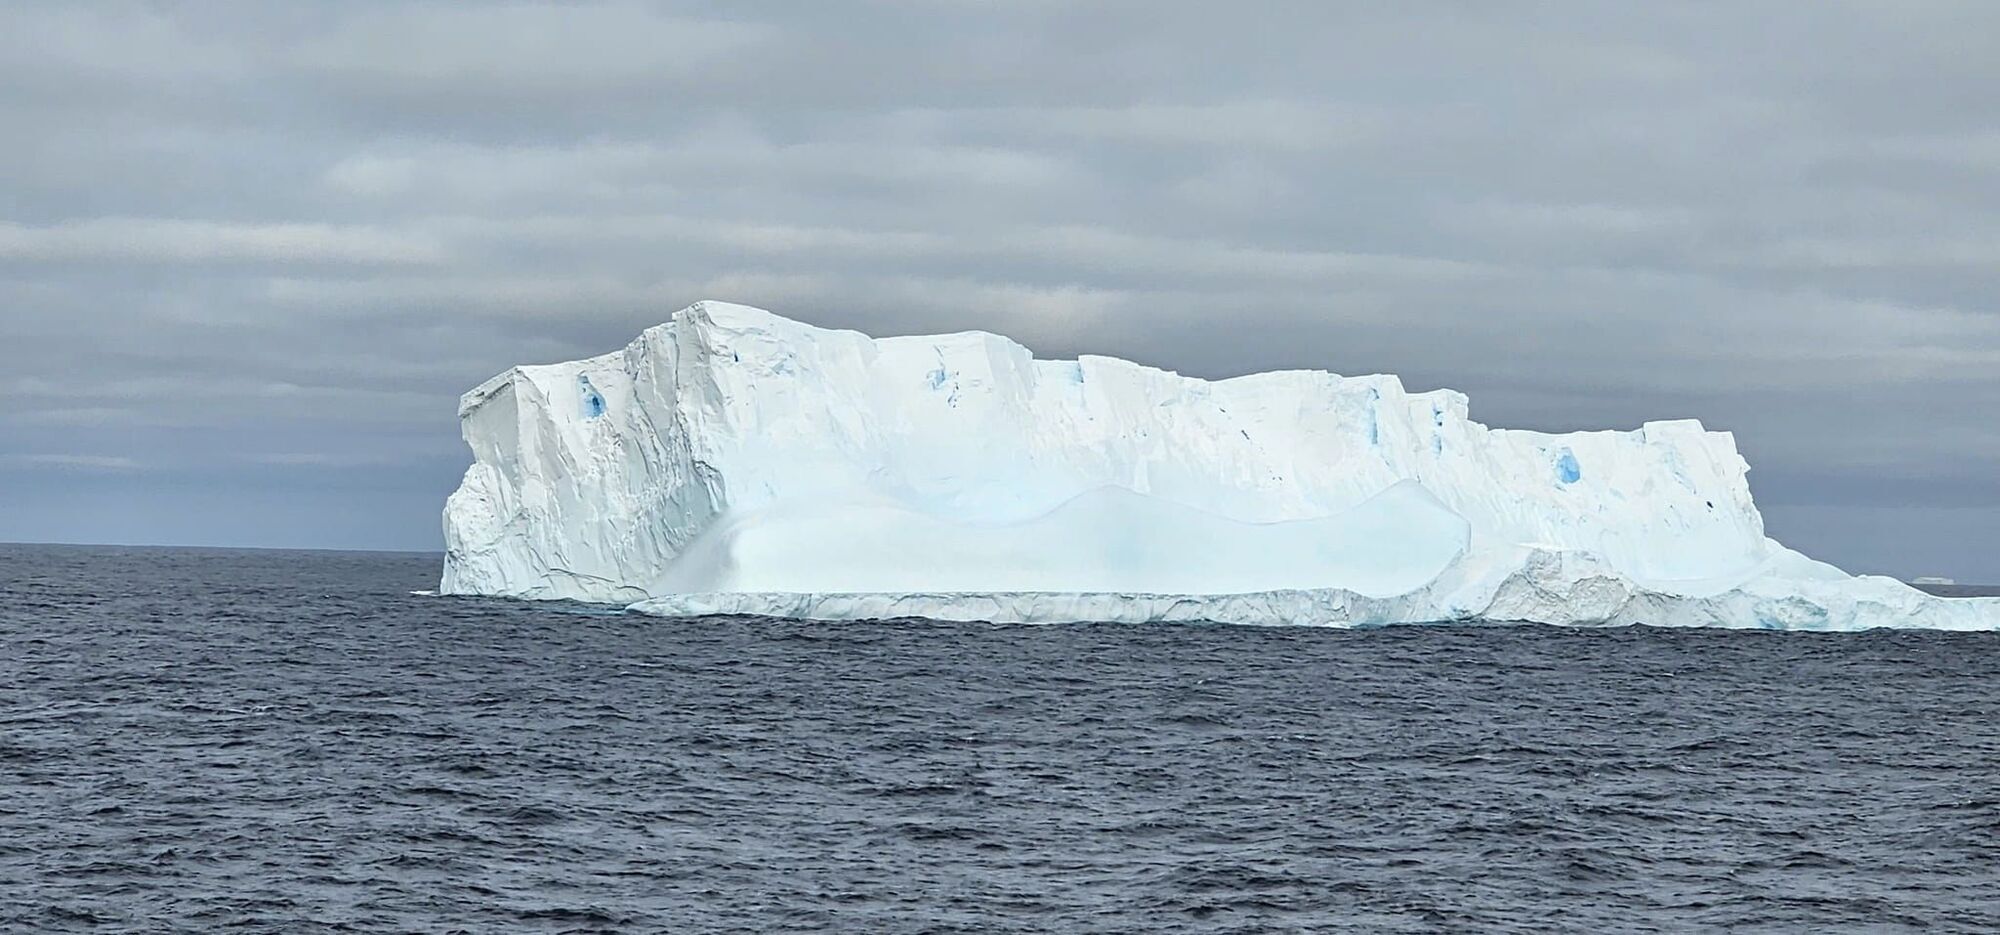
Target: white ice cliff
(732, 461)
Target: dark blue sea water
(289, 742)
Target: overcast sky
(250, 254)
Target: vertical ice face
(734, 452)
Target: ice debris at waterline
(732, 461)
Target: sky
(250, 254)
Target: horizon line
(219, 548)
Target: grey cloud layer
(250, 253)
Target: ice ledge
(1605, 603)
(1542, 587)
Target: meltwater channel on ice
(732, 461)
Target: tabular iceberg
(732, 461)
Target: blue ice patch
(1567, 470)
(939, 377)
(593, 401)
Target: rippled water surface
(289, 742)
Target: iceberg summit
(732, 461)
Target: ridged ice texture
(733, 461)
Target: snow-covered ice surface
(732, 461)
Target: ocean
(196, 740)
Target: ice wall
(736, 461)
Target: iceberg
(732, 461)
